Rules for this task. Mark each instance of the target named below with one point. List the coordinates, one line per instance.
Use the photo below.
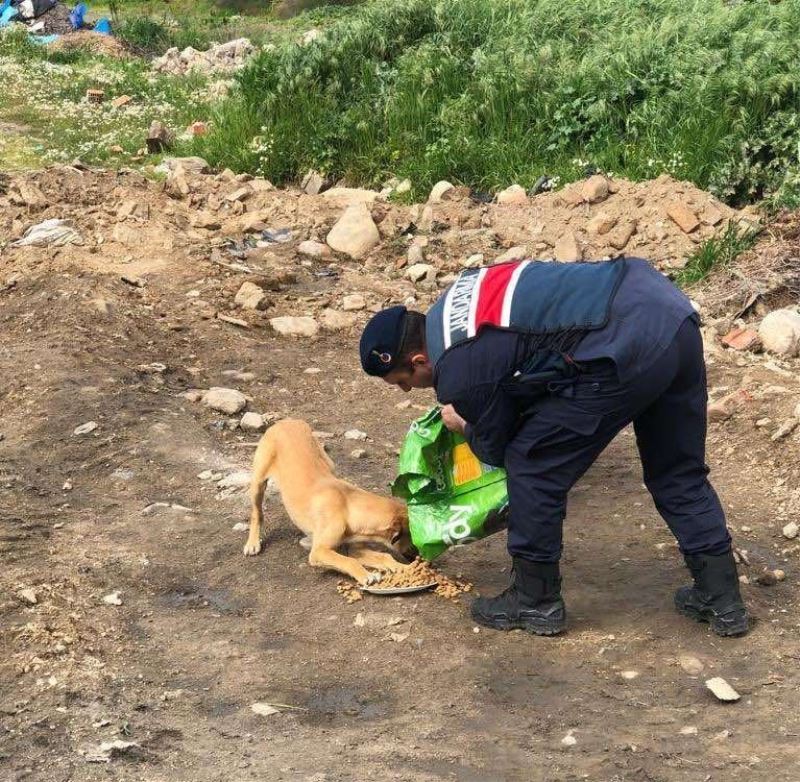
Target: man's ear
(419, 359)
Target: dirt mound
(56, 21)
(92, 43)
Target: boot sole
(706, 618)
(545, 628)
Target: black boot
(715, 596)
(532, 601)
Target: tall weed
(491, 91)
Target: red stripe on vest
(492, 293)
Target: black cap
(381, 341)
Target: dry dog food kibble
(418, 573)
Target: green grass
(488, 92)
(716, 252)
(46, 92)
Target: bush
(487, 92)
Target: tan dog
(328, 510)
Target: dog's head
(399, 535)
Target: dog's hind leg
(262, 464)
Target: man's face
(419, 375)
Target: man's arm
(492, 419)
(469, 377)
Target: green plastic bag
(453, 498)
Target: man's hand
(452, 420)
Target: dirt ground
(409, 692)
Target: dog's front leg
(322, 556)
(253, 545)
(378, 560)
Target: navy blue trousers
(568, 430)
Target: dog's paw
(393, 567)
(252, 548)
(372, 577)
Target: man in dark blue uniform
(540, 365)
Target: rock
(314, 249)
(207, 220)
(415, 255)
(439, 192)
(235, 480)
(332, 320)
(621, 235)
(688, 730)
(355, 434)
(785, 429)
(112, 599)
(28, 596)
(354, 302)
(251, 297)
(191, 165)
(722, 690)
(791, 530)
(779, 574)
(240, 526)
(569, 740)
(159, 137)
(780, 332)
(242, 194)
(724, 408)
(225, 400)
(691, 665)
(358, 453)
(512, 195)
(741, 339)
(350, 196)
(595, 189)
(355, 233)
(425, 223)
(403, 187)
(193, 395)
(517, 253)
(567, 248)
(683, 217)
(86, 428)
(601, 223)
(295, 326)
(263, 709)
(419, 271)
(473, 261)
(766, 578)
(629, 675)
(261, 185)
(252, 422)
(312, 183)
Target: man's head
(393, 348)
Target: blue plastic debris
(77, 15)
(103, 26)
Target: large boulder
(780, 332)
(355, 233)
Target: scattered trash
(86, 428)
(52, 232)
(277, 235)
(722, 690)
(263, 709)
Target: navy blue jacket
(644, 318)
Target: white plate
(376, 590)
